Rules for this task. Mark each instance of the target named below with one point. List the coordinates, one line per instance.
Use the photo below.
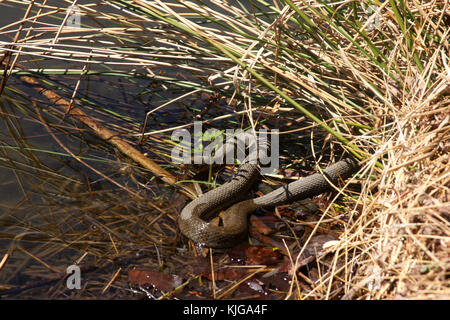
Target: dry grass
(400, 238)
(376, 82)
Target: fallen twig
(109, 136)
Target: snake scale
(193, 220)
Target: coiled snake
(193, 220)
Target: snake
(194, 220)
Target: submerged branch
(109, 136)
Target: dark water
(54, 209)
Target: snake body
(193, 220)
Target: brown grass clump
(398, 246)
